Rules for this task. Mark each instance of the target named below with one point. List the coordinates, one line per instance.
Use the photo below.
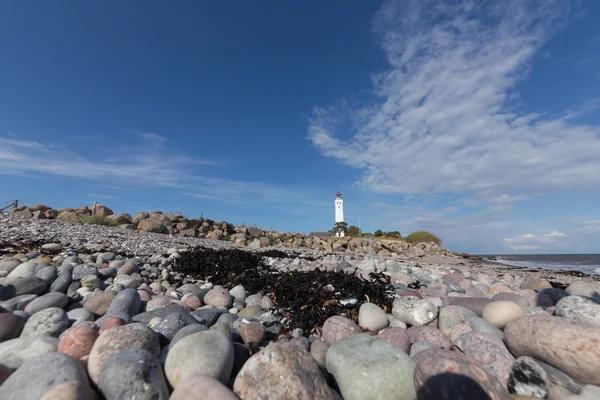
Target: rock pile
(83, 316)
(242, 236)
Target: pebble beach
(97, 312)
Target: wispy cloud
(443, 122)
(144, 162)
(102, 196)
(555, 234)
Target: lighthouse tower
(339, 211)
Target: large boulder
(156, 223)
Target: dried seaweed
(305, 298)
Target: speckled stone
(489, 351)
(48, 300)
(78, 341)
(48, 322)
(260, 377)
(443, 375)
(414, 311)
(398, 337)
(219, 297)
(579, 309)
(133, 374)
(338, 327)
(132, 336)
(253, 333)
(528, 378)
(451, 316)
(567, 345)
(13, 352)
(429, 334)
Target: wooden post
(16, 203)
(94, 209)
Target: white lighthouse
(339, 211)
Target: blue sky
(478, 121)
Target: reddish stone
(193, 303)
(111, 322)
(99, 304)
(78, 340)
(198, 387)
(397, 337)
(253, 333)
(338, 327)
(414, 293)
(430, 334)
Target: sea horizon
(588, 263)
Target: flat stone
(40, 374)
(132, 336)
(499, 313)
(429, 334)
(398, 337)
(6, 267)
(13, 352)
(133, 374)
(261, 376)
(52, 246)
(11, 326)
(337, 327)
(254, 300)
(579, 309)
(372, 317)
(489, 351)
(441, 374)
(365, 368)
(414, 311)
(207, 353)
(48, 322)
(48, 300)
(475, 304)
(570, 346)
(554, 294)
(528, 378)
(78, 341)
(91, 282)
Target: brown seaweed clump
(305, 298)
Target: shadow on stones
(451, 387)
(305, 299)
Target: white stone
(372, 317)
(500, 313)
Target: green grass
(95, 220)
(423, 237)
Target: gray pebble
(48, 300)
(133, 374)
(48, 322)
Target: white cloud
(555, 234)
(525, 247)
(528, 236)
(444, 122)
(144, 163)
